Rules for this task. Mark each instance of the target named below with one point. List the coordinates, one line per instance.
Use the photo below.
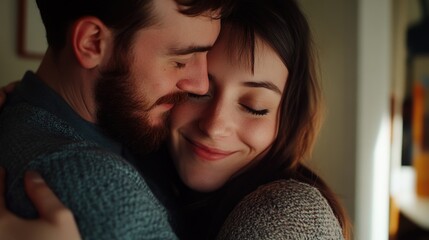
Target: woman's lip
(208, 153)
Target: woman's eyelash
(255, 112)
(246, 108)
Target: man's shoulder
(31, 119)
(32, 135)
(107, 195)
(36, 139)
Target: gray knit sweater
(284, 209)
(107, 195)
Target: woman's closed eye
(255, 112)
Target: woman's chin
(202, 184)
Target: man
(113, 70)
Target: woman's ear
(90, 41)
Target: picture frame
(31, 32)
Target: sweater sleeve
(282, 210)
(107, 196)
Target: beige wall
(12, 66)
(335, 35)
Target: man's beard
(124, 113)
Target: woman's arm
(55, 222)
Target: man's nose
(196, 78)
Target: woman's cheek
(259, 133)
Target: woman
(238, 150)
(247, 137)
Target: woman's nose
(217, 121)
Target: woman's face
(215, 136)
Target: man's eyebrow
(263, 84)
(188, 50)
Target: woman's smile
(207, 153)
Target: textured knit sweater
(284, 209)
(87, 171)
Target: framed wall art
(31, 32)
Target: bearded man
(112, 71)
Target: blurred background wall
(334, 25)
(12, 67)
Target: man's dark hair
(125, 17)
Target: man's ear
(90, 40)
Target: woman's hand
(6, 90)
(55, 222)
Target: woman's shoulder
(282, 209)
(297, 193)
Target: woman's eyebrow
(263, 84)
